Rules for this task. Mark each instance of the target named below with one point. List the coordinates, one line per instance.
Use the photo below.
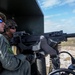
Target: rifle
(52, 37)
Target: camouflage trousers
(25, 69)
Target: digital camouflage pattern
(13, 64)
(10, 23)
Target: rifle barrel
(71, 35)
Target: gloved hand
(36, 47)
(44, 45)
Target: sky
(58, 15)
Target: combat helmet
(10, 23)
(3, 16)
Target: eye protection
(12, 27)
(1, 21)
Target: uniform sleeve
(9, 61)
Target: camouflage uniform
(10, 23)
(12, 64)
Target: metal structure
(26, 13)
(29, 18)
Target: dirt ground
(64, 58)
